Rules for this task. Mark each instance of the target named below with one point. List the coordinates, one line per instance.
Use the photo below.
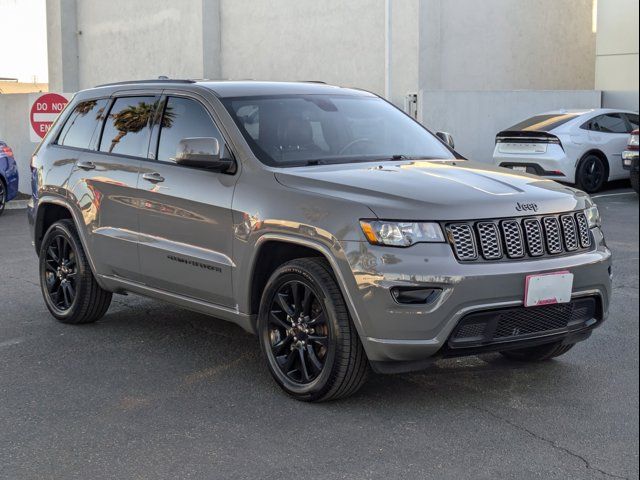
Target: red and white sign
(45, 108)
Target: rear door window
(82, 124)
(128, 126)
(608, 123)
(184, 118)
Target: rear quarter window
(82, 124)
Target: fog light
(415, 295)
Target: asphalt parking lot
(155, 392)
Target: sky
(23, 44)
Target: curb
(16, 204)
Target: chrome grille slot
(552, 234)
(464, 244)
(490, 243)
(533, 236)
(519, 238)
(513, 238)
(583, 230)
(569, 233)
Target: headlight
(593, 217)
(401, 234)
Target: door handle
(154, 177)
(86, 165)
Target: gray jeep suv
(323, 219)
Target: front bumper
(393, 332)
(11, 176)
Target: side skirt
(120, 285)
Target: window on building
(127, 129)
(184, 118)
(82, 124)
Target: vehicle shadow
(205, 354)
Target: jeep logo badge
(526, 207)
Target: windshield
(295, 130)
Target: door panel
(102, 184)
(186, 232)
(186, 226)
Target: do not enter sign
(44, 110)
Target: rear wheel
(539, 353)
(310, 344)
(634, 181)
(70, 291)
(3, 196)
(591, 174)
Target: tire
(634, 181)
(3, 196)
(68, 286)
(540, 353)
(307, 338)
(592, 174)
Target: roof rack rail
(313, 81)
(153, 80)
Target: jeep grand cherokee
(323, 219)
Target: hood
(436, 189)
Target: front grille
(516, 238)
(518, 323)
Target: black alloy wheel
(592, 174)
(68, 286)
(298, 332)
(60, 272)
(307, 337)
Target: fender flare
(75, 216)
(326, 253)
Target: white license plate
(519, 169)
(525, 148)
(548, 289)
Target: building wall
(334, 41)
(506, 45)
(123, 40)
(475, 117)
(617, 52)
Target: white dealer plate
(548, 289)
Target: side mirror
(446, 138)
(202, 152)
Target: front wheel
(591, 174)
(70, 291)
(635, 181)
(306, 335)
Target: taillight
(7, 151)
(633, 141)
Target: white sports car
(582, 147)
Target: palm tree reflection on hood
(136, 117)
